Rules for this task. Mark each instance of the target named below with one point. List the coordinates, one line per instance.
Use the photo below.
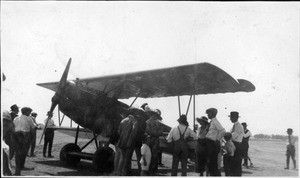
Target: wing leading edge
(202, 78)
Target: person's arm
(192, 134)
(159, 129)
(248, 134)
(221, 130)
(30, 121)
(170, 136)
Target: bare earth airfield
(268, 158)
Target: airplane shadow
(83, 168)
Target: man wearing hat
(14, 111)
(237, 132)
(290, 149)
(201, 148)
(128, 129)
(245, 145)
(33, 134)
(154, 130)
(214, 135)
(9, 140)
(178, 135)
(8, 128)
(23, 126)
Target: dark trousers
(9, 140)
(201, 156)
(153, 144)
(138, 156)
(180, 152)
(123, 161)
(290, 153)
(6, 169)
(22, 140)
(126, 156)
(237, 160)
(49, 135)
(32, 141)
(213, 151)
(227, 161)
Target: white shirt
(146, 152)
(50, 123)
(174, 134)
(293, 140)
(216, 131)
(23, 123)
(237, 132)
(248, 134)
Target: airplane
(93, 103)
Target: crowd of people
(213, 143)
(142, 137)
(19, 138)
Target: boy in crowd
(229, 153)
(146, 156)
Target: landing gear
(69, 159)
(104, 159)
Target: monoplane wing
(195, 79)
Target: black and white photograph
(150, 88)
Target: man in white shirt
(33, 135)
(245, 145)
(237, 132)
(23, 126)
(290, 149)
(215, 133)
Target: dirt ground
(268, 158)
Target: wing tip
(246, 85)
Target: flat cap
(212, 110)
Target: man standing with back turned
(23, 126)
(213, 137)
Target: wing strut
(187, 110)
(194, 103)
(179, 109)
(135, 99)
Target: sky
(255, 41)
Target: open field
(268, 158)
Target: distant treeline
(277, 137)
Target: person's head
(33, 114)
(146, 139)
(15, 108)
(26, 111)
(211, 113)
(144, 105)
(227, 136)
(8, 125)
(131, 111)
(289, 131)
(234, 116)
(244, 124)
(202, 120)
(158, 112)
(183, 120)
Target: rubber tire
(104, 159)
(69, 160)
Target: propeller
(56, 98)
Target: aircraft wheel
(69, 160)
(104, 159)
